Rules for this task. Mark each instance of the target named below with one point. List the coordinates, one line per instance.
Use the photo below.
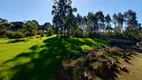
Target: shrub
(78, 32)
(33, 33)
(16, 34)
(27, 33)
(2, 32)
(86, 34)
(50, 31)
(41, 33)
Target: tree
(18, 25)
(36, 22)
(71, 22)
(139, 26)
(3, 20)
(79, 20)
(31, 28)
(108, 20)
(115, 19)
(133, 29)
(46, 26)
(50, 31)
(78, 32)
(4, 28)
(84, 23)
(120, 21)
(100, 18)
(60, 10)
(131, 19)
(92, 22)
(125, 16)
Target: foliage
(85, 34)
(121, 25)
(50, 31)
(78, 32)
(33, 33)
(41, 33)
(61, 10)
(16, 34)
(135, 34)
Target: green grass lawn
(40, 59)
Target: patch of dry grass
(109, 63)
(135, 69)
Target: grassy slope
(135, 69)
(40, 58)
(10, 50)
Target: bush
(41, 33)
(28, 34)
(50, 31)
(16, 34)
(33, 33)
(78, 32)
(85, 34)
(135, 34)
(2, 32)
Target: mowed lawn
(40, 58)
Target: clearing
(40, 59)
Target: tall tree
(115, 19)
(131, 19)
(31, 28)
(84, 23)
(45, 26)
(108, 20)
(120, 21)
(125, 16)
(60, 10)
(79, 20)
(90, 23)
(100, 17)
(71, 21)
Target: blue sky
(40, 10)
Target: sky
(40, 10)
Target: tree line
(120, 25)
(65, 23)
(19, 29)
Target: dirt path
(135, 69)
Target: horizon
(40, 10)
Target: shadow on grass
(17, 40)
(46, 60)
(109, 75)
